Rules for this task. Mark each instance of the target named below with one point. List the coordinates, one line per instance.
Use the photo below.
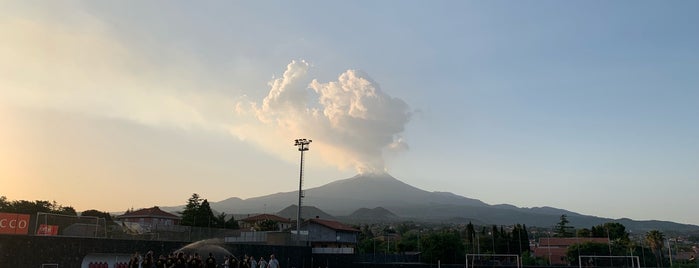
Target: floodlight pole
(303, 146)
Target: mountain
(343, 197)
(349, 198)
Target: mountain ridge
(342, 198)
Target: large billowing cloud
(351, 121)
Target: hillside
(394, 200)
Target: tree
(584, 232)
(366, 242)
(405, 227)
(205, 216)
(587, 248)
(96, 213)
(562, 229)
(655, 239)
(445, 246)
(266, 225)
(4, 204)
(409, 241)
(66, 211)
(520, 237)
(231, 223)
(28, 207)
(190, 212)
(471, 237)
(614, 230)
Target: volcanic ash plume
(351, 121)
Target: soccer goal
(48, 224)
(608, 261)
(493, 260)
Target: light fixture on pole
(303, 146)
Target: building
(250, 223)
(330, 237)
(150, 217)
(554, 249)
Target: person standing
(273, 262)
(180, 261)
(147, 261)
(234, 262)
(210, 261)
(161, 262)
(253, 262)
(226, 262)
(134, 261)
(262, 262)
(196, 261)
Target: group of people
(250, 262)
(182, 260)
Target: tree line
(649, 247)
(448, 244)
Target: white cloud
(351, 121)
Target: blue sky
(590, 106)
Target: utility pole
(303, 146)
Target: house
(252, 222)
(330, 237)
(554, 249)
(150, 217)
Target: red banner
(11, 223)
(45, 229)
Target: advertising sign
(11, 223)
(45, 229)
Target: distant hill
(307, 212)
(395, 200)
(375, 215)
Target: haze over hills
(343, 197)
(383, 196)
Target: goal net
(493, 260)
(608, 261)
(48, 224)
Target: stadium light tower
(303, 146)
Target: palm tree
(655, 239)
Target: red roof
(555, 248)
(337, 226)
(262, 217)
(154, 212)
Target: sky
(589, 106)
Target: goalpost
(608, 261)
(49, 224)
(493, 260)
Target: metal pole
(418, 245)
(669, 251)
(298, 212)
(303, 146)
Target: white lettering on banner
(14, 224)
(11, 223)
